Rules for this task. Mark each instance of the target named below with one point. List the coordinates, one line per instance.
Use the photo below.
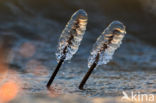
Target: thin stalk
(87, 76)
(54, 73)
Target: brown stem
(87, 76)
(54, 73)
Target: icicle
(72, 35)
(107, 43)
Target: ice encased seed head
(107, 43)
(72, 35)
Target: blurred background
(138, 15)
(29, 33)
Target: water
(107, 43)
(29, 34)
(72, 35)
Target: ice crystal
(107, 43)
(72, 35)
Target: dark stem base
(54, 73)
(87, 76)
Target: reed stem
(87, 76)
(54, 73)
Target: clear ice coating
(72, 35)
(107, 43)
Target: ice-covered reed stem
(72, 35)
(105, 47)
(70, 39)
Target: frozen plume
(107, 43)
(72, 35)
